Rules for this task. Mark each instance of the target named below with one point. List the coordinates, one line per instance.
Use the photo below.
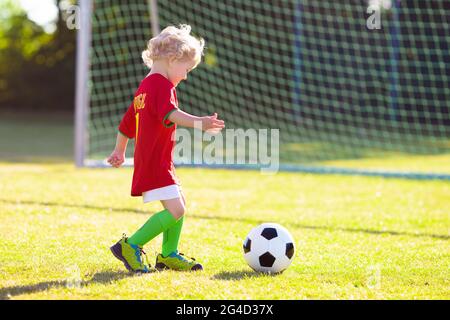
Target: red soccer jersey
(146, 122)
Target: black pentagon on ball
(289, 250)
(247, 245)
(266, 260)
(269, 233)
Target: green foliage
(36, 68)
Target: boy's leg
(159, 222)
(171, 237)
(170, 258)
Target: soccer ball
(269, 248)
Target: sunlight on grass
(356, 237)
(398, 162)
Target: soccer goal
(352, 86)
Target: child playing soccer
(151, 120)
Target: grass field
(356, 237)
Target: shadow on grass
(233, 219)
(101, 277)
(241, 274)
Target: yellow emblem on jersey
(139, 101)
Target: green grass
(356, 237)
(41, 137)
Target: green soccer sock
(171, 237)
(159, 222)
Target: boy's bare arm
(185, 119)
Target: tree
(36, 68)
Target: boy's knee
(177, 212)
(175, 207)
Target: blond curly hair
(176, 43)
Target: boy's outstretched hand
(212, 125)
(116, 159)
